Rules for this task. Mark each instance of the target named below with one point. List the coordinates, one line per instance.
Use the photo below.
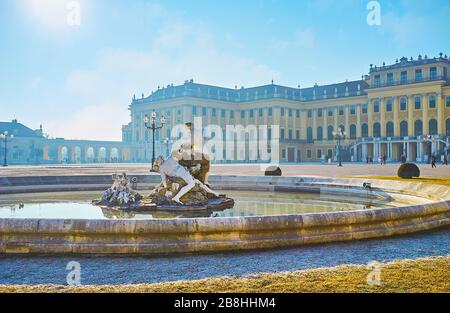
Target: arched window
(403, 128)
(330, 132)
(418, 128)
(364, 130)
(319, 133)
(432, 125)
(390, 129)
(309, 134)
(376, 130)
(342, 128)
(353, 131)
(447, 127)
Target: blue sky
(78, 80)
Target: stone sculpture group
(183, 186)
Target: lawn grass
(420, 275)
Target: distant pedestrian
(367, 159)
(433, 161)
(445, 159)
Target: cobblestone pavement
(304, 169)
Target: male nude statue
(171, 168)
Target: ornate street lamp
(150, 123)
(338, 136)
(5, 139)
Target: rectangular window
(222, 113)
(377, 80)
(231, 114)
(282, 134)
(352, 109)
(319, 153)
(308, 153)
(447, 101)
(213, 112)
(297, 134)
(251, 113)
(204, 111)
(297, 113)
(260, 112)
(290, 134)
(194, 110)
(403, 104)
(242, 114)
(389, 105)
(309, 113)
(319, 112)
(341, 110)
(417, 103)
(283, 153)
(390, 78)
(270, 111)
(376, 106)
(330, 111)
(404, 77)
(282, 112)
(269, 133)
(418, 75)
(432, 102)
(290, 112)
(433, 73)
(364, 108)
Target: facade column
(425, 129)
(410, 107)
(325, 123)
(440, 114)
(314, 125)
(358, 121)
(346, 119)
(303, 114)
(364, 152)
(408, 151)
(370, 118)
(396, 119)
(336, 116)
(383, 117)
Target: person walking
(433, 161)
(445, 159)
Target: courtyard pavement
(304, 169)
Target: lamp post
(339, 135)
(150, 123)
(5, 139)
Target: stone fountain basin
(166, 236)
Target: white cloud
(181, 51)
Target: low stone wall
(160, 236)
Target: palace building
(394, 110)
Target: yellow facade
(391, 112)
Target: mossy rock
(408, 170)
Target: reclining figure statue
(170, 168)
